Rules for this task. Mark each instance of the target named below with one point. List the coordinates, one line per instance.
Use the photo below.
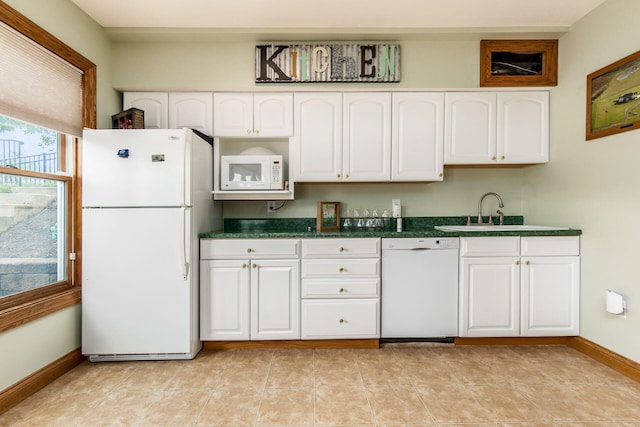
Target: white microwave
(251, 172)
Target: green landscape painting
(615, 97)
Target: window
(34, 219)
(38, 177)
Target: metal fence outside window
(12, 158)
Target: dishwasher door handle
(421, 249)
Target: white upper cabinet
(523, 127)
(173, 110)
(342, 137)
(254, 115)
(191, 110)
(417, 138)
(470, 128)
(154, 104)
(366, 139)
(317, 141)
(496, 128)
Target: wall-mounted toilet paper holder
(615, 303)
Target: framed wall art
(328, 216)
(613, 98)
(518, 62)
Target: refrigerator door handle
(183, 244)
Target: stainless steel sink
(497, 228)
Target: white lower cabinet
(550, 286)
(340, 288)
(519, 286)
(489, 297)
(224, 300)
(249, 289)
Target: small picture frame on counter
(328, 216)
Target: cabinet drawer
(490, 246)
(336, 288)
(249, 248)
(325, 318)
(341, 268)
(340, 248)
(550, 245)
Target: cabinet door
(232, 114)
(523, 127)
(273, 114)
(417, 140)
(275, 300)
(470, 128)
(191, 110)
(550, 296)
(489, 297)
(224, 300)
(317, 140)
(154, 104)
(367, 136)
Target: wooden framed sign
(518, 62)
(613, 98)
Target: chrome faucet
(500, 205)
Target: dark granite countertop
(413, 227)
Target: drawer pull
(341, 290)
(341, 249)
(528, 262)
(341, 269)
(517, 262)
(249, 250)
(244, 265)
(341, 321)
(255, 266)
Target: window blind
(37, 86)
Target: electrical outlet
(271, 206)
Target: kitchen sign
(330, 63)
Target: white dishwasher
(419, 289)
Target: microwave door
(244, 176)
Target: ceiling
(292, 14)
(159, 18)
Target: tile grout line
(264, 389)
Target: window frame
(16, 310)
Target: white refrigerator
(146, 194)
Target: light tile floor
(396, 385)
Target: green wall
(428, 62)
(596, 184)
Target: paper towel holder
(615, 303)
